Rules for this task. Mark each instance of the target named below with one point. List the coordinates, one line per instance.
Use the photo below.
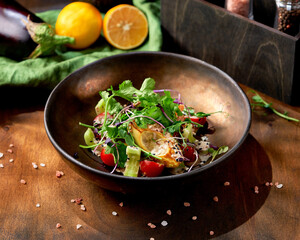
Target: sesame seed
(22, 181)
(216, 199)
(78, 226)
(9, 150)
(256, 189)
(164, 223)
(11, 145)
(42, 164)
(276, 183)
(194, 218)
(152, 238)
(226, 183)
(279, 185)
(38, 205)
(169, 212)
(34, 165)
(1, 154)
(58, 225)
(271, 184)
(1, 165)
(82, 207)
(114, 213)
(267, 184)
(121, 204)
(11, 160)
(186, 204)
(211, 233)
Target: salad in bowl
(148, 133)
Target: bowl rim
(230, 152)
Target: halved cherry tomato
(100, 117)
(198, 120)
(189, 153)
(150, 168)
(107, 159)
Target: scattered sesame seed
(211, 233)
(164, 223)
(216, 199)
(121, 204)
(114, 213)
(169, 212)
(11, 160)
(38, 205)
(9, 150)
(194, 218)
(1, 165)
(186, 204)
(82, 207)
(279, 185)
(256, 189)
(78, 226)
(151, 225)
(22, 181)
(58, 225)
(42, 164)
(226, 183)
(11, 145)
(1, 154)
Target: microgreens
(260, 102)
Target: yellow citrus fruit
(81, 21)
(125, 26)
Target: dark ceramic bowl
(202, 86)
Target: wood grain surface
(270, 154)
(250, 52)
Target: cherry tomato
(198, 120)
(188, 152)
(107, 159)
(100, 117)
(150, 168)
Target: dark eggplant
(15, 41)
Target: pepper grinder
(288, 16)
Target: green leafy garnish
(259, 101)
(214, 153)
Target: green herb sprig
(260, 102)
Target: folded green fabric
(46, 72)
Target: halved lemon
(163, 146)
(125, 27)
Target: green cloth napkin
(46, 72)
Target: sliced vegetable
(133, 163)
(107, 159)
(151, 168)
(89, 137)
(189, 152)
(100, 107)
(188, 133)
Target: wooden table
(271, 153)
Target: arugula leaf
(215, 153)
(148, 84)
(259, 101)
(110, 148)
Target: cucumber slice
(100, 107)
(89, 137)
(132, 165)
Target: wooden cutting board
(270, 154)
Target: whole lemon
(81, 21)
